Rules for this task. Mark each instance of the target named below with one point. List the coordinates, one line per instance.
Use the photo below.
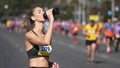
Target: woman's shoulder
(28, 34)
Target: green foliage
(105, 7)
(98, 1)
(18, 7)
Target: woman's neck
(38, 27)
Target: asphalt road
(13, 55)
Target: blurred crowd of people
(96, 33)
(69, 28)
(16, 24)
(111, 30)
(108, 31)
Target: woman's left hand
(55, 65)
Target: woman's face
(38, 14)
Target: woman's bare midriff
(39, 62)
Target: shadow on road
(99, 62)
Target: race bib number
(91, 31)
(45, 48)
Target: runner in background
(70, 22)
(74, 30)
(9, 25)
(22, 25)
(67, 28)
(62, 27)
(57, 26)
(90, 32)
(117, 35)
(109, 34)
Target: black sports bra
(39, 51)
(33, 52)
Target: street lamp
(113, 9)
(83, 11)
(98, 1)
(6, 6)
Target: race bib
(117, 36)
(44, 50)
(91, 31)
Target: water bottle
(55, 12)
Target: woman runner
(37, 43)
